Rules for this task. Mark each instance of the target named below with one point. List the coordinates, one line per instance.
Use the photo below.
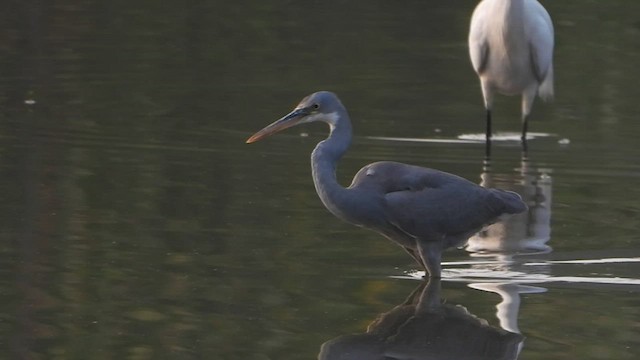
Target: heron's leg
(431, 254)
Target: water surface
(138, 225)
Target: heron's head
(320, 106)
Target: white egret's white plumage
(511, 49)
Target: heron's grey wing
(388, 176)
(430, 212)
(407, 191)
(455, 209)
(478, 44)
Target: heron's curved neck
(324, 160)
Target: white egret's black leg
(487, 149)
(525, 128)
(523, 136)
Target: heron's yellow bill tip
(255, 137)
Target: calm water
(136, 224)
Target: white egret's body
(511, 49)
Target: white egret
(511, 49)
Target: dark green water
(136, 224)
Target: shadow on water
(423, 327)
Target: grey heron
(423, 210)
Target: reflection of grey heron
(424, 328)
(423, 210)
(511, 49)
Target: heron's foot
(432, 271)
(428, 276)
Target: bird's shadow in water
(423, 327)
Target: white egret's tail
(545, 91)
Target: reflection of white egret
(508, 309)
(527, 232)
(511, 50)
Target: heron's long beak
(289, 120)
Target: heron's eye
(315, 106)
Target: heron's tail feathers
(545, 91)
(511, 202)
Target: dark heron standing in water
(423, 210)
